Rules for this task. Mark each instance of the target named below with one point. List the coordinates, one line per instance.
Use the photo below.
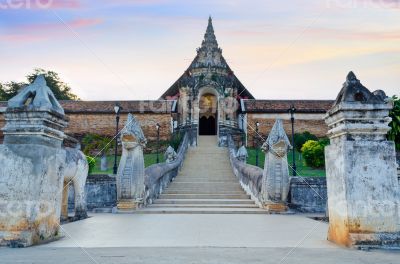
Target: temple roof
(209, 58)
(282, 106)
(107, 107)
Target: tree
(300, 139)
(94, 143)
(394, 133)
(60, 89)
(9, 90)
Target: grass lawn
(149, 159)
(301, 168)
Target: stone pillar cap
(36, 96)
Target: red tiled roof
(282, 106)
(156, 106)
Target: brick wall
(104, 124)
(305, 122)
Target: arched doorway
(208, 114)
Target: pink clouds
(44, 31)
(64, 4)
(388, 4)
(354, 34)
(48, 27)
(41, 4)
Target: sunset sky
(136, 49)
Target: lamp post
(292, 110)
(158, 142)
(243, 131)
(117, 110)
(257, 125)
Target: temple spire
(210, 41)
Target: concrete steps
(205, 185)
(205, 196)
(202, 210)
(203, 201)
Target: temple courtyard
(194, 238)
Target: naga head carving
(132, 132)
(277, 142)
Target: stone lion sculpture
(76, 172)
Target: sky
(136, 49)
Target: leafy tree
(394, 133)
(94, 142)
(10, 89)
(60, 89)
(301, 138)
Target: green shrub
(92, 163)
(394, 133)
(313, 153)
(93, 143)
(301, 138)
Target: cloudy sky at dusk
(136, 49)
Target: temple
(208, 93)
(208, 96)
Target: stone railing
(158, 176)
(190, 128)
(250, 176)
(307, 194)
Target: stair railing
(158, 176)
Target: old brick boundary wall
(98, 117)
(309, 116)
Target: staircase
(205, 185)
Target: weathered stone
(36, 96)
(32, 167)
(275, 181)
(76, 172)
(363, 190)
(242, 154)
(130, 176)
(103, 163)
(308, 194)
(170, 155)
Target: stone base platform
(275, 208)
(127, 206)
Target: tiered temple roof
(208, 61)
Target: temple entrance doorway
(208, 115)
(208, 126)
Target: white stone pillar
(361, 169)
(32, 167)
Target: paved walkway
(205, 230)
(183, 239)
